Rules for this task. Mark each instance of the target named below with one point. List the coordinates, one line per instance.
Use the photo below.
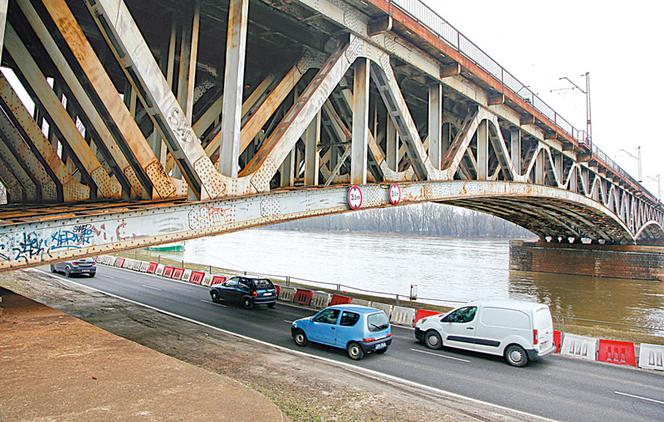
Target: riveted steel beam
(435, 124)
(39, 240)
(125, 39)
(72, 190)
(151, 181)
(360, 125)
(31, 190)
(15, 192)
(311, 153)
(107, 187)
(264, 164)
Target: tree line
(426, 219)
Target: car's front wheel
(300, 338)
(67, 272)
(215, 296)
(516, 356)
(355, 351)
(433, 340)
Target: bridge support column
(483, 151)
(435, 124)
(515, 149)
(231, 116)
(392, 144)
(287, 170)
(631, 262)
(360, 139)
(539, 168)
(311, 153)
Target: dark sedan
(247, 291)
(86, 266)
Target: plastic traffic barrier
(616, 352)
(127, 263)
(423, 313)
(137, 265)
(218, 279)
(197, 277)
(340, 300)
(320, 300)
(277, 287)
(168, 271)
(287, 294)
(119, 262)
(557, 339)
(383, 307)
(152, 267)
(651, 356)
(402, 316)
(144, 266)
(177, 273)
(303, 296)
(186, 275)
(581, 347)
(207, 280)
(160, 269)
(356, 301)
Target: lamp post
(589, 126)
(637, 157)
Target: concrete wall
(644, 263)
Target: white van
(519, 331)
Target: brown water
(444, 269)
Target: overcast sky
(619, 43)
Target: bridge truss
(141, 133)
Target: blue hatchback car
(358, 329)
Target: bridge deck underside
(146, 106)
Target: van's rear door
(543, 323)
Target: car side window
(462, 315)
(328, 316)
(348, 319)
(244, 284)
(232, 282)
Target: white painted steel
(651, 356)
(581, 347)
(402, 316)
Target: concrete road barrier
(402, 316)
(580, 347)
(362, 302)
(320, 300)
(287, 294)
(383, 307)
(651, 356)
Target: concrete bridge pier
(615, 261)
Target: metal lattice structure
(142, 133)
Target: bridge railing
(451, 36)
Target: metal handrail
(446, 32)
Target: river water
(445, 269)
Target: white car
(520, 331)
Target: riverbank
(303, 388)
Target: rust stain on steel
(100, 81)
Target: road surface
(557, 388)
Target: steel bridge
(160, 120)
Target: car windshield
(262, 283)
(377, 321)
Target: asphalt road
(556, 388)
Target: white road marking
(150, 287)
(212, 303)
(639, 397)
(350, 367)
(439, 355)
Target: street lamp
(659, 185)
(589, 126)
(637, 157)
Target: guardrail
(427, 17)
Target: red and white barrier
(383, 307)
(186, 275)
(320, 300)
(651, 356)
(144, 266)
(362, 302)
(423, 313)
(197, 277)
(303, 297)
(580, 347)
(160, 269)
(402, 316)
(340, 300)
(287, 294)
(616, 352)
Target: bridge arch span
(652, 231)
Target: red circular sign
(395, 194)
(354, 197)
